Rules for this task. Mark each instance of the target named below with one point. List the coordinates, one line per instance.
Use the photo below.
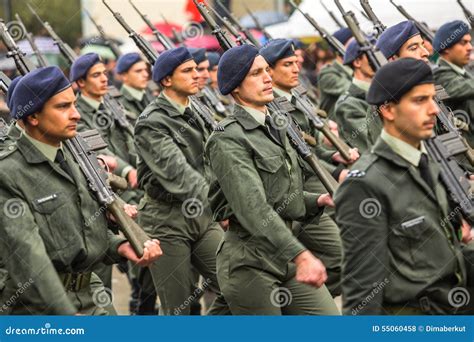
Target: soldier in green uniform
(50, 245)
(352, 108)
(398, 41)
(170, 139)
(335, 78)
(321, 238)
(401, 239)
(133, 72)
(90, 75)
(453, 42)
(261, 266)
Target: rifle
(425, 31)
(29, 37)
(281, 107)
(110, 102)
(467, 13)
(332, 15)
(235, 22)
(4, 82)
(152, 55)
(379, 27)
(223, 37)
(375, 57)
(97, 179)
(23, 64)
(302, 103)
(232, 30)
(178, 37)
(110, 42)
(148, 51)
(258, 26)
(212, 101)
(64, 48)
(167, 44)
(335, 44)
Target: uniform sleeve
(169, 165)
(351, 119)
(457, 87)
(361, 217)
(332, 84)
(25, 257)
(114, 241)
(234, 169)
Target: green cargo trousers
(186, 242)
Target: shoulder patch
(356, 174)
(362, 166)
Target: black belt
(75, 281)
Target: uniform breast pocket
(269, 169)
(413, 229)
(53, 220)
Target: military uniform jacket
(460, 88)
(398, 243)
(120, 141)
(333, 81)
(351, 117)
(132, 105)
(170, 146)
(51, 224)
(262, 183)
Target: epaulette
(355, 174)
(363, 165)
(7, 148)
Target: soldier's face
(95, 83)
(414, 48)
(300, 57)
(256, 88)
(362, 63)
(137, 76)
(184, 79)
(213, 75)
(460, 52)
(58, 119)
(285, 73)
(203, 73)
(414, 117)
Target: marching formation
(242, 181)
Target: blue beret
(343, 35)
(392, 39)
(11, 87)
(234, 65)
(397, 78)
(81, 66)
(298, 44)
(35, 89)
(449, 34)
(199, 55)
(353, 51)
(125, 62)
(168, 61)
(277, 49)
(213, 58)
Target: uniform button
(11, 148)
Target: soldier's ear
(166, 82)
(31, 120)
(387, 111)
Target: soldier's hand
(354, 155)
(325, 200)
(131, 210)
(466, 232)
(224, 224)
(310, 270)
(132, 178)
(151, 252)
(109, 161)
